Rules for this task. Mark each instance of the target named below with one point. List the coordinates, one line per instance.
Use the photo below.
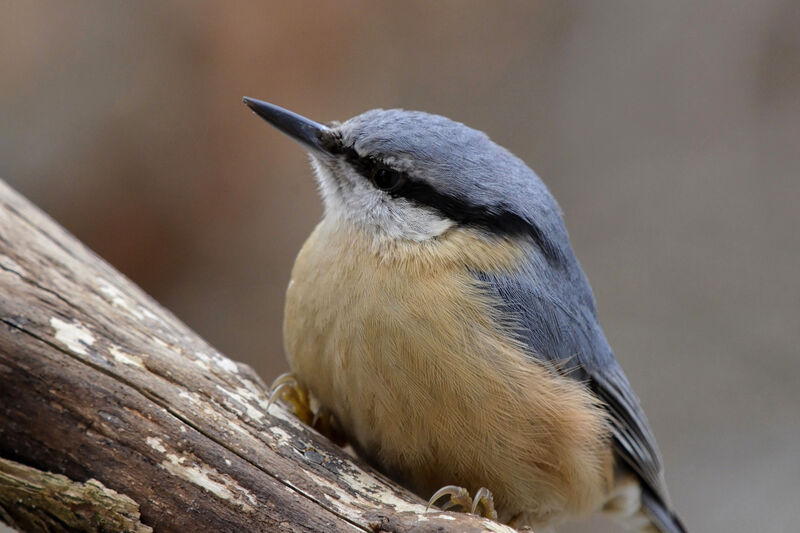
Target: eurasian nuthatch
(439, 314)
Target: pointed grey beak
(307, 132)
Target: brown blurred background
(669, 132)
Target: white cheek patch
(347, 195)
(416, 223)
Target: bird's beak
(307, 132)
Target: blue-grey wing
(556, 320)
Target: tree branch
(40, 501)
(99, 382)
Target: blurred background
(668, 131)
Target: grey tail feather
(661, 517)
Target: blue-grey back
(554, 316)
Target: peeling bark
(98, 382)
(33, 500)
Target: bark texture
(32, 500)
(101, 385)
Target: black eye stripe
(494, 219)
(387, 179)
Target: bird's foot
(296, 397)
(482, 504)
(293, 395)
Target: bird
(440, 322)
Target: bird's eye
(387, 179)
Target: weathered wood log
(33, 500)
(97, 381)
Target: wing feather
(566, 332)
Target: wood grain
(33, 500)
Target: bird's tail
(641, 510)
(664, 520)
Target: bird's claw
(296, 397)
(459, 497)
(484, 499)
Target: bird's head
(413, 176)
